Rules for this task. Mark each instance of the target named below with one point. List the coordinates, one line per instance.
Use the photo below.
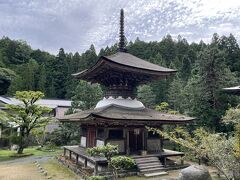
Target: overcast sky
(76, 24)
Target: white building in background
(58, 106)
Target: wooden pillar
(165, 161)
(106, 131)
(175, 144)
(182, 161)
(76, 158)
(80, 133)
(70, 154)
(64, 151)
(143, 143)
(127, 138)
(145, 136)
(161, 140)
(96, 134)
(85, 162)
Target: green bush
(107, 151)
(123, 162)
(97, 178)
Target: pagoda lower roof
(120, 114)
(122, 61)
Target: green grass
(10, 155)
(57, 171)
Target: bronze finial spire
(121, 33)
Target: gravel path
(28, 159)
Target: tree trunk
(21, 142)
(20, 149)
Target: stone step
(143, 157)
(146, 158)
(145, 162)
(150, 164)
(150, 167)
(156, 169)
(162, 173)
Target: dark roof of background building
(51, 103)
(233, 90)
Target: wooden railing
(86, 159)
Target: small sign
(137, 131)
(100, 143)
(83, 141)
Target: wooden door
(91, 137)
(135, 141)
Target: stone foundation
(88, 171)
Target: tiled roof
(115, 112)
(130, 63)
(133, 61)
(51, 103)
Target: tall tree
(89, 58)
(42, 79)
(60, 74)
(203, 91)
(168, 49)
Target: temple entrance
(91, 137)
(135, 140)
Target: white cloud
(75, 24)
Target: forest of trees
(196, 89)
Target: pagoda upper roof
(124, 62)
(123, 115)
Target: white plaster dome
(128, 102)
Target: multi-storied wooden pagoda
(119, 118)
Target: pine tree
(60, 74)
(89, 58)
(168, 49)
(203, 95)
(175, 95)
(27, 73)
(86, 95)
(42, 79)
(185, 69)
(146, 95)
